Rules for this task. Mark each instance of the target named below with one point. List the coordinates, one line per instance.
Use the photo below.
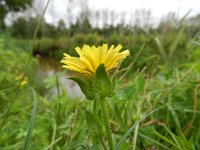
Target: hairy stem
(104, 111)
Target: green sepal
(102, 82)
(96, 87)
(86, 87)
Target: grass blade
(31, 123)
(133, 62)
(176, 41)
(162, 51)
(164, 138)
(154, 141)
(11, 147)
(54, 135)
(53, 143)
(128, 132)
(175, 117)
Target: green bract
(98, 87)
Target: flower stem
(104, 111)
(135, 136)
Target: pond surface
(48, 67)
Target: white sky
(58, 8)
(158, 8)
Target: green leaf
(140, 83)
(135, 88)
(197, 68)
(118, 116)
(94, 124)
(103, 85)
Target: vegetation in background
(156, 105)
(171, 35)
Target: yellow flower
(91, 57)
(24, 82)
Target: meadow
(155, 103)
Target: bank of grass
(54, 47)
(156, 103)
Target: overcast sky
(58, 8)
(158, 8)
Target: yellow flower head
(24, 82)
(91, 57)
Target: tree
(12, 5)
(24, 28)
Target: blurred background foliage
(157, 94)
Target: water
(48, 67)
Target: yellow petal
(89, 55)
(125, 53)
(117, 49)
(102, 53)
(79, 51)
(87, 63)
(109, 55)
